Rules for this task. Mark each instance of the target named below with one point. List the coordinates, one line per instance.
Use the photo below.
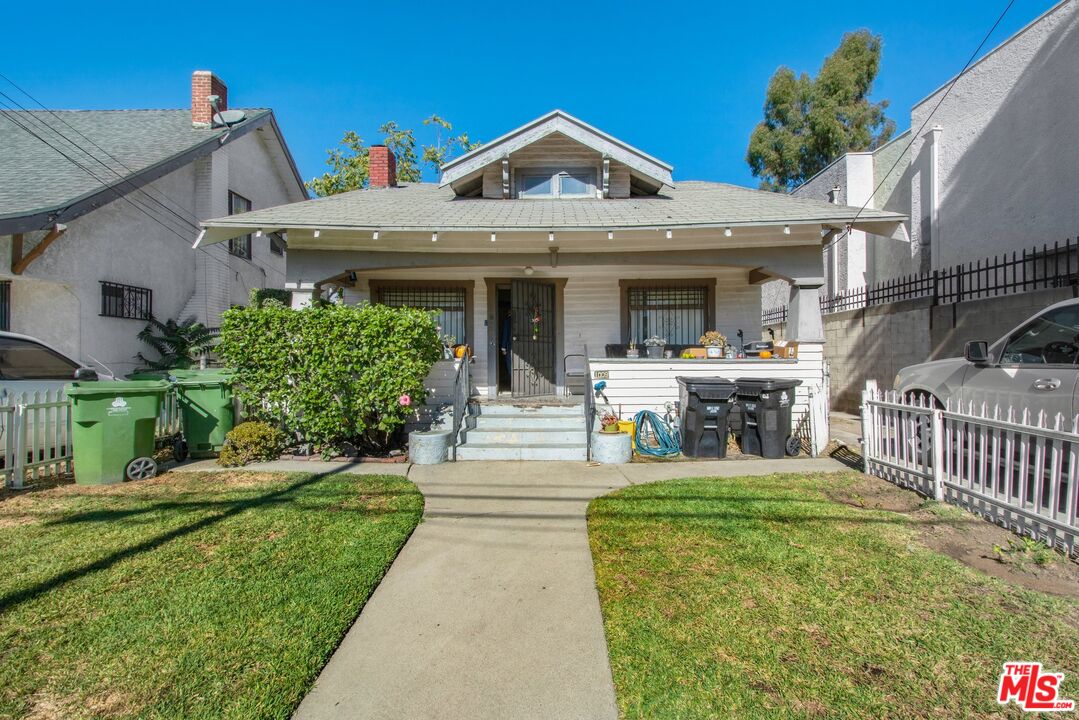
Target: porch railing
(462, 391)
(589, 405)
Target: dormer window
(556, 183)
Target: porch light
(374, 235)
(258, 233)
(727, 232)
(786, 229)
(434, 237)
(317, 233)
(529, 270)
(610, 234)
(494, 236)
(550, 236)
(669, 234)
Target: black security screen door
(532, 308)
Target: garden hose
(655, 437)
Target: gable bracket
(606, 176)
(505, 178)
(20, 262)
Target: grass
(195, 596)
(759, 597)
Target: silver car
(1033, 367)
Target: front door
(532, 322)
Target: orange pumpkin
(461, 351)
(765, 354)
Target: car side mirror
(977, 352)
(85, 373)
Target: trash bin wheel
(141, 468)
(179, 450)
(794, 445)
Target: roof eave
(38, 219)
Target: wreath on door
(537, 322)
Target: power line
(917, 134)
(11, 115)
(80, 134)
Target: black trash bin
(705, 403)
(765, 408)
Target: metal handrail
(462, 391)
(589, 405)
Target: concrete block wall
(875, 343)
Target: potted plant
(608, 422)
(632, 351)
(714, 342)
(655, 345)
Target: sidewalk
(490, 610)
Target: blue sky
(682, 81)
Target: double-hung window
(556, 183)
(240, 246)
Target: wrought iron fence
(1051, 266)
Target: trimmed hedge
(331, 374)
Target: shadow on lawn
(228, 510)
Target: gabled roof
(39, 186)
(425, 207)
(557, 121)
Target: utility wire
(915, 135)
(11, 115)
(84, 136)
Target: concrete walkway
(491, 611)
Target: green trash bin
(112, 429)
(205, 398)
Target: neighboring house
(991, 173)
(581, 243)
(99, 209)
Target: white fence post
(18, 462)
(937, 438)
(867, 428)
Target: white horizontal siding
(633, 386)
(591, 314)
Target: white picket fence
(1014, 468)
(35, 435)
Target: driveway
(490, 610)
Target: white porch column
(303, 294)
(804, 322)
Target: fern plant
(179, 345)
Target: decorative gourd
(765, 354)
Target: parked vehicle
(28, 365)
(1033, 367)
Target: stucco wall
(875, 343)
(1009, 147)
(58, 298)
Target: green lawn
(194, 596)
(759, 597)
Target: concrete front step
(528, 410)
(523, 451)
(521, 422)
(515, 435)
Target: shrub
(260, 295)
(334, 374)
(251, 441)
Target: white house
(991, 172)
(557, 243)
(98, 210)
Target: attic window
(556, 183)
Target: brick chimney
(204, 84)
(382, 167)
